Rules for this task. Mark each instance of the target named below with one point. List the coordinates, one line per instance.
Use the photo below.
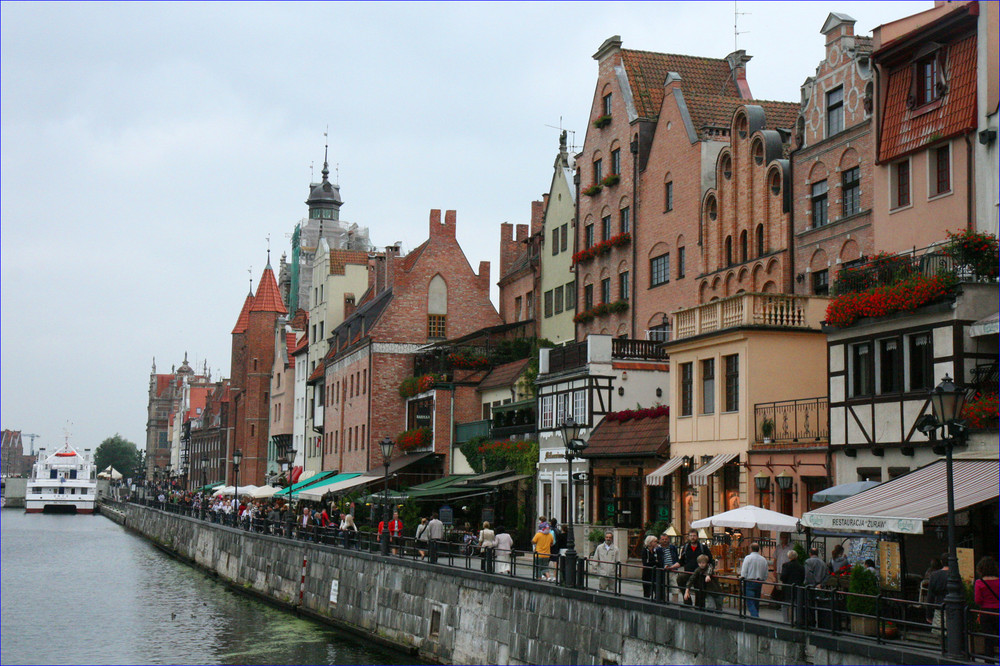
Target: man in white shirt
(754, 573)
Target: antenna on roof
(736, 17)
(326, 150)
(572, 133)
(250, 273)
(268, 238)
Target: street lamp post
(947, 401)
(237, 459)
(386, 445)
(204, 483)
(574, 445)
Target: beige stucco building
(558, 286)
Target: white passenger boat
(64, 481)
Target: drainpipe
(451, 433)
(970, 201)
(634, 148)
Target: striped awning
(657, 477)
(903, 504)
(699, 477)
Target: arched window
(729, 250)
(727, 167)
(760, 240)
(437, 308)
(743, 246)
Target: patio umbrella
(264, 491)
(843, 491)
(750, 516)
(224, 490)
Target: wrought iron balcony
(886, 270)
(643, 350)
(568, 356)
(750, 309)
(796, 422)
(603, 349)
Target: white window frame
(546, 412)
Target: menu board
(966, 563)
(890, 570)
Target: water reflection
(81, 589)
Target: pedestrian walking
(607, 556)
(753, 573)
(487, 541)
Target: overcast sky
(149, 150)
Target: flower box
(415, 438)
(605, 246)
(601, 310)
(603, 121)
(611, 180)
(593, 190)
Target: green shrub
(862, 582)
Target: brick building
(210, 436)
(520, 268)
(13, 460)
(166, 399)
(252, 361)
(429, 295)
(746, 219)
(833, 189)
(623, 120)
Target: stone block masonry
(458, 616)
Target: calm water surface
(82, 590)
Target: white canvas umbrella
(264, 491)
(224, 490)
(750, 516)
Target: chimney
(508, 247)
(349, 305)
(738, 66)
(522, 233)
(538, 213)
(391, 257)
(484, 277)
(611, 45)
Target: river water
(83, 590)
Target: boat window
(52, 474)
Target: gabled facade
(624, 114)
(165, 402)
(210, 436)
(746, 219)
(926, 120)
(429, 295)
(520, 268)
(282, 414)
(834, 188)
(558, 286)
(252, 362)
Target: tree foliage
(121, 454)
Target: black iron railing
(886, 270)
(646, 350)
(568, 356)
(825, 609)
(792, 421)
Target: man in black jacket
(792, 574)
(689, 560)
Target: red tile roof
(162, 382)
(503, 375)
(290, 344)
(302, 345)
(635, 437)
(300, 321)
(244, 318)
(647, 72)
(904, 130)
(716, 111)
(317, 374)
(197, 401)
(268, 298)
(411, 258)
(340, 259)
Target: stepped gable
(244, 318)
(647, 71)
(268, 298)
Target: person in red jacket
(395, 530)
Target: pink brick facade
(834, 188)
(520, 278)
(746, 217)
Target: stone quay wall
(455, 616)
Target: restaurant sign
(852, 523)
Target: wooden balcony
(751, 310)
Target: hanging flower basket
(415, 438)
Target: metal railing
(831, 610)
(568, 356)
(646, 350)
(466, 431)
(886, 270)
(803, 421)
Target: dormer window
(926, 73)
(927, 84)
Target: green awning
(331, 480)
(211, 486)
(447, 485)
(308, 483)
